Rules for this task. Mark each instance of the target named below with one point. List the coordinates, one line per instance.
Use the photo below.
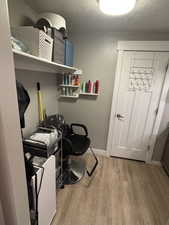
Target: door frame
(154, 46)
(13, 190)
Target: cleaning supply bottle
(78, 80)
(82, 87)
(86, 87)
(94, 87)
(70, 79)
(65, 79)
(97, 87)
(89, 86)
(92, 84)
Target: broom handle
(41, 117)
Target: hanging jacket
(23, 102)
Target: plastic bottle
(86, 87)
(92, 84)
(81, 87)
(94, 87)
(63, 91)
(89, 86)
(70, 79)
(64, 79)
(97, 87)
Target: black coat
(23, 102)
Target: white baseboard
(157, 163)
(99, 152)
(105, 153)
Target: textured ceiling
(148, 15)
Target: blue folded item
(69, 53)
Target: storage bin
(58, 46)
(38, 43)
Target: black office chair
(74, 144)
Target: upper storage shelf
(24, 61)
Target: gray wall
(49, 91)
(96, 55)
(22, 14)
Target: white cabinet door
(47, 195)
(139, 86)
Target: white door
(139, 85)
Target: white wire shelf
(69, 85)
(69, 96)
(25, 61)
(89, 94)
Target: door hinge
(156, 111)
(167, 67)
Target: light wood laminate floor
(122, 192)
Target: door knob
(120, 117)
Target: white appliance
(47, 194)
(51, 22)
(55, 21)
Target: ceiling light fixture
(116, 7)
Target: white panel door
(139, 88)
